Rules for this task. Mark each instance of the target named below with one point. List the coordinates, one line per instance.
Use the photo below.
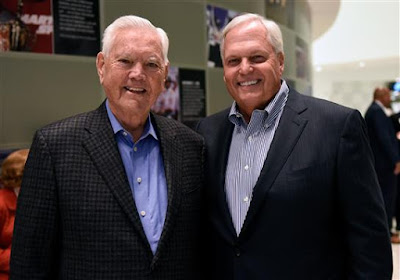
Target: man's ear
(100, 65)
(166, 71)
(281, 59)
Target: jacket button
(237, 252)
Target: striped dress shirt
(248, 151)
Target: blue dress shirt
(144, 168)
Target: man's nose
(245, 67)
(137, 71)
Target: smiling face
(252, 69)
(132, 75)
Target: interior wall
(357, 51)
(351, 85)
(36, 89)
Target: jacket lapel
(172, 158)
(220, 154)
(102, 148)
(290, 127)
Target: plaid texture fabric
(76, 218)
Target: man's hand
(397, 168)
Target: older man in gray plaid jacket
(115, 193)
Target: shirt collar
(236, 117)
(117, 127)
(388, 112)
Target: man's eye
(233, 61)
(258, 59)
(123, 61)
(153, 65)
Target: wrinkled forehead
(137, 35)
(247, 30)
(137, 39)
(246, 36)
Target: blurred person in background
(12, 169)
(396, 124)
(385, 149)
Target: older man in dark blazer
(290, 182)
(114, 193)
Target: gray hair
(274, 33)
(131, 21)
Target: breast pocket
(307, 183)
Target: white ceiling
(354, 31)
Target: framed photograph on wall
(217, 19)
(50, 26)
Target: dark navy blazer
(316, 211)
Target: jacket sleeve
(35, 240)
(361, 205)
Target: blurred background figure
(396, 124)
(12, 169)
(385, 148)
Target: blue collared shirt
(248, 151)
(144, 168)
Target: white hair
(273, 31)
(131, 21)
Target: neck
(132, 121)
(135, 128)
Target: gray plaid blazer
(76, 217)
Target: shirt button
(246, 167)
(246, 199)
(250, 138)
(142, 213)
(139, 180)
(135, 149)
(124, 133)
